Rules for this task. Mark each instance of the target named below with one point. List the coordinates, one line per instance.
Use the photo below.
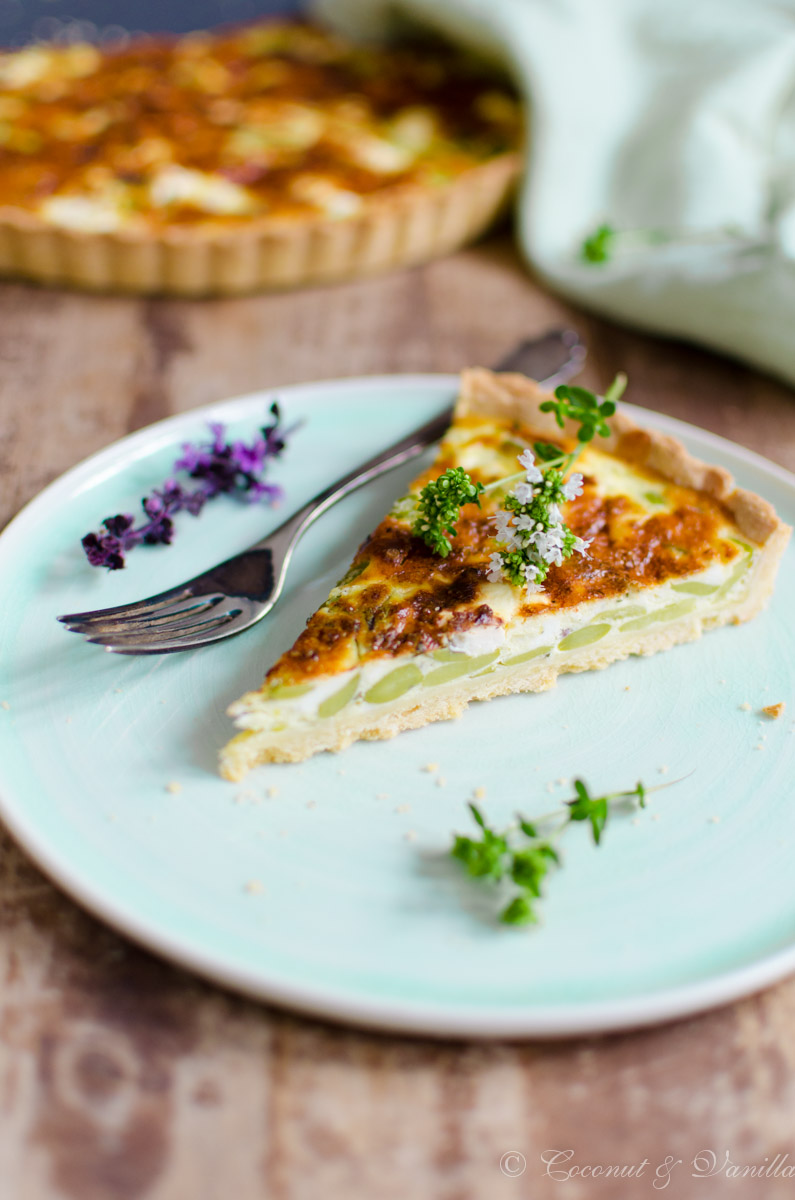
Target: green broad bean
(454, 670)
(401, 680)
(670, 613)
(288, 691)
(337, 700)
(695, 588)
(584, 637)
(526, 657)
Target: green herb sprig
(439, 507)
(495, 856)
(581, 405)
(598, 247)
(531, 534)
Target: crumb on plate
(774, 711)
(174, 787)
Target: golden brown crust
(266, 253)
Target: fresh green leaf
(518, 912)
(599, 246)
(439, 506)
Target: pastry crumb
(663, 770)
(745, 706)
(479, 793)
(715, 820)
(341, 771)
(254, 887)
(311, 804)
(118, 691)
(273, 791)
(759, 746)
(626, 689)
(67, 720)
(774, 711)
(410, 836)
(562, 781)
(636, 820)
(430, 767)
(382, 795)
(403, 808)
(4, 704)
(173, 787)
(655, 816)
(441, 781)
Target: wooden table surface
(121, 1076)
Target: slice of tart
(408, 636)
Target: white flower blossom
(580, 545)
(573, 486)
(525, 523)
(530, 584)
(555, 515)
(524, 493)
(505, 530)
(495, 568)
(549, 545)
(527, 460)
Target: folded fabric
(667, 124)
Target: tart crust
(407, 227)
(505, 396)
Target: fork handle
(556, 356)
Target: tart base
(262, 254)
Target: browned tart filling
(281, 121)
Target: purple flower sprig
(221, 467)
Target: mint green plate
(353, 909)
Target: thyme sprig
(526, 851)
(531, 535)
(439, 506)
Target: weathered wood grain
(122, 1077)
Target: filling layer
(555, 636)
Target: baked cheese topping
(280, 120)
(404, 618)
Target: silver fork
(239, 592)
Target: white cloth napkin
(672, 121)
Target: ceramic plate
(327, 886)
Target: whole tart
(268, 156)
